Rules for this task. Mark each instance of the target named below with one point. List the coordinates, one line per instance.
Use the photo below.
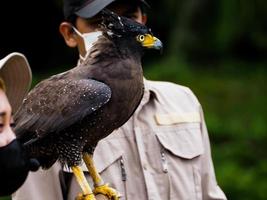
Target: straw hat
(17, 76)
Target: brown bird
(64, 117)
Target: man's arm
(210, 189)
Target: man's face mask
(89, 39)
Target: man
(15, 80)
(161, 153)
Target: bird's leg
(87, 193)
(88, 159)
(100, 186)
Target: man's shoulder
(170, 89)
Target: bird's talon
(110, 192)
(85, 197)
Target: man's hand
(101, 197)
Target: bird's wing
(58, 103)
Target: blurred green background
(217, 48)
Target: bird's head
(122, 27)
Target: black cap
(87, 8)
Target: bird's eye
(141, 38)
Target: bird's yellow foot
(111, 193)
(85, 197)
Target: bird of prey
(63, 117)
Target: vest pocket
(183, 141)
(181, 148)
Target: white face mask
(89, 39)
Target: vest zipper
(164, 162)
(123, 171)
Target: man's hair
(2, 84)
(72, 19)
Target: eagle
(63, 117)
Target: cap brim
(17, 75)
(92, 8)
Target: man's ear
(68, 34)
(144, 19)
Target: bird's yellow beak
(149, 41)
